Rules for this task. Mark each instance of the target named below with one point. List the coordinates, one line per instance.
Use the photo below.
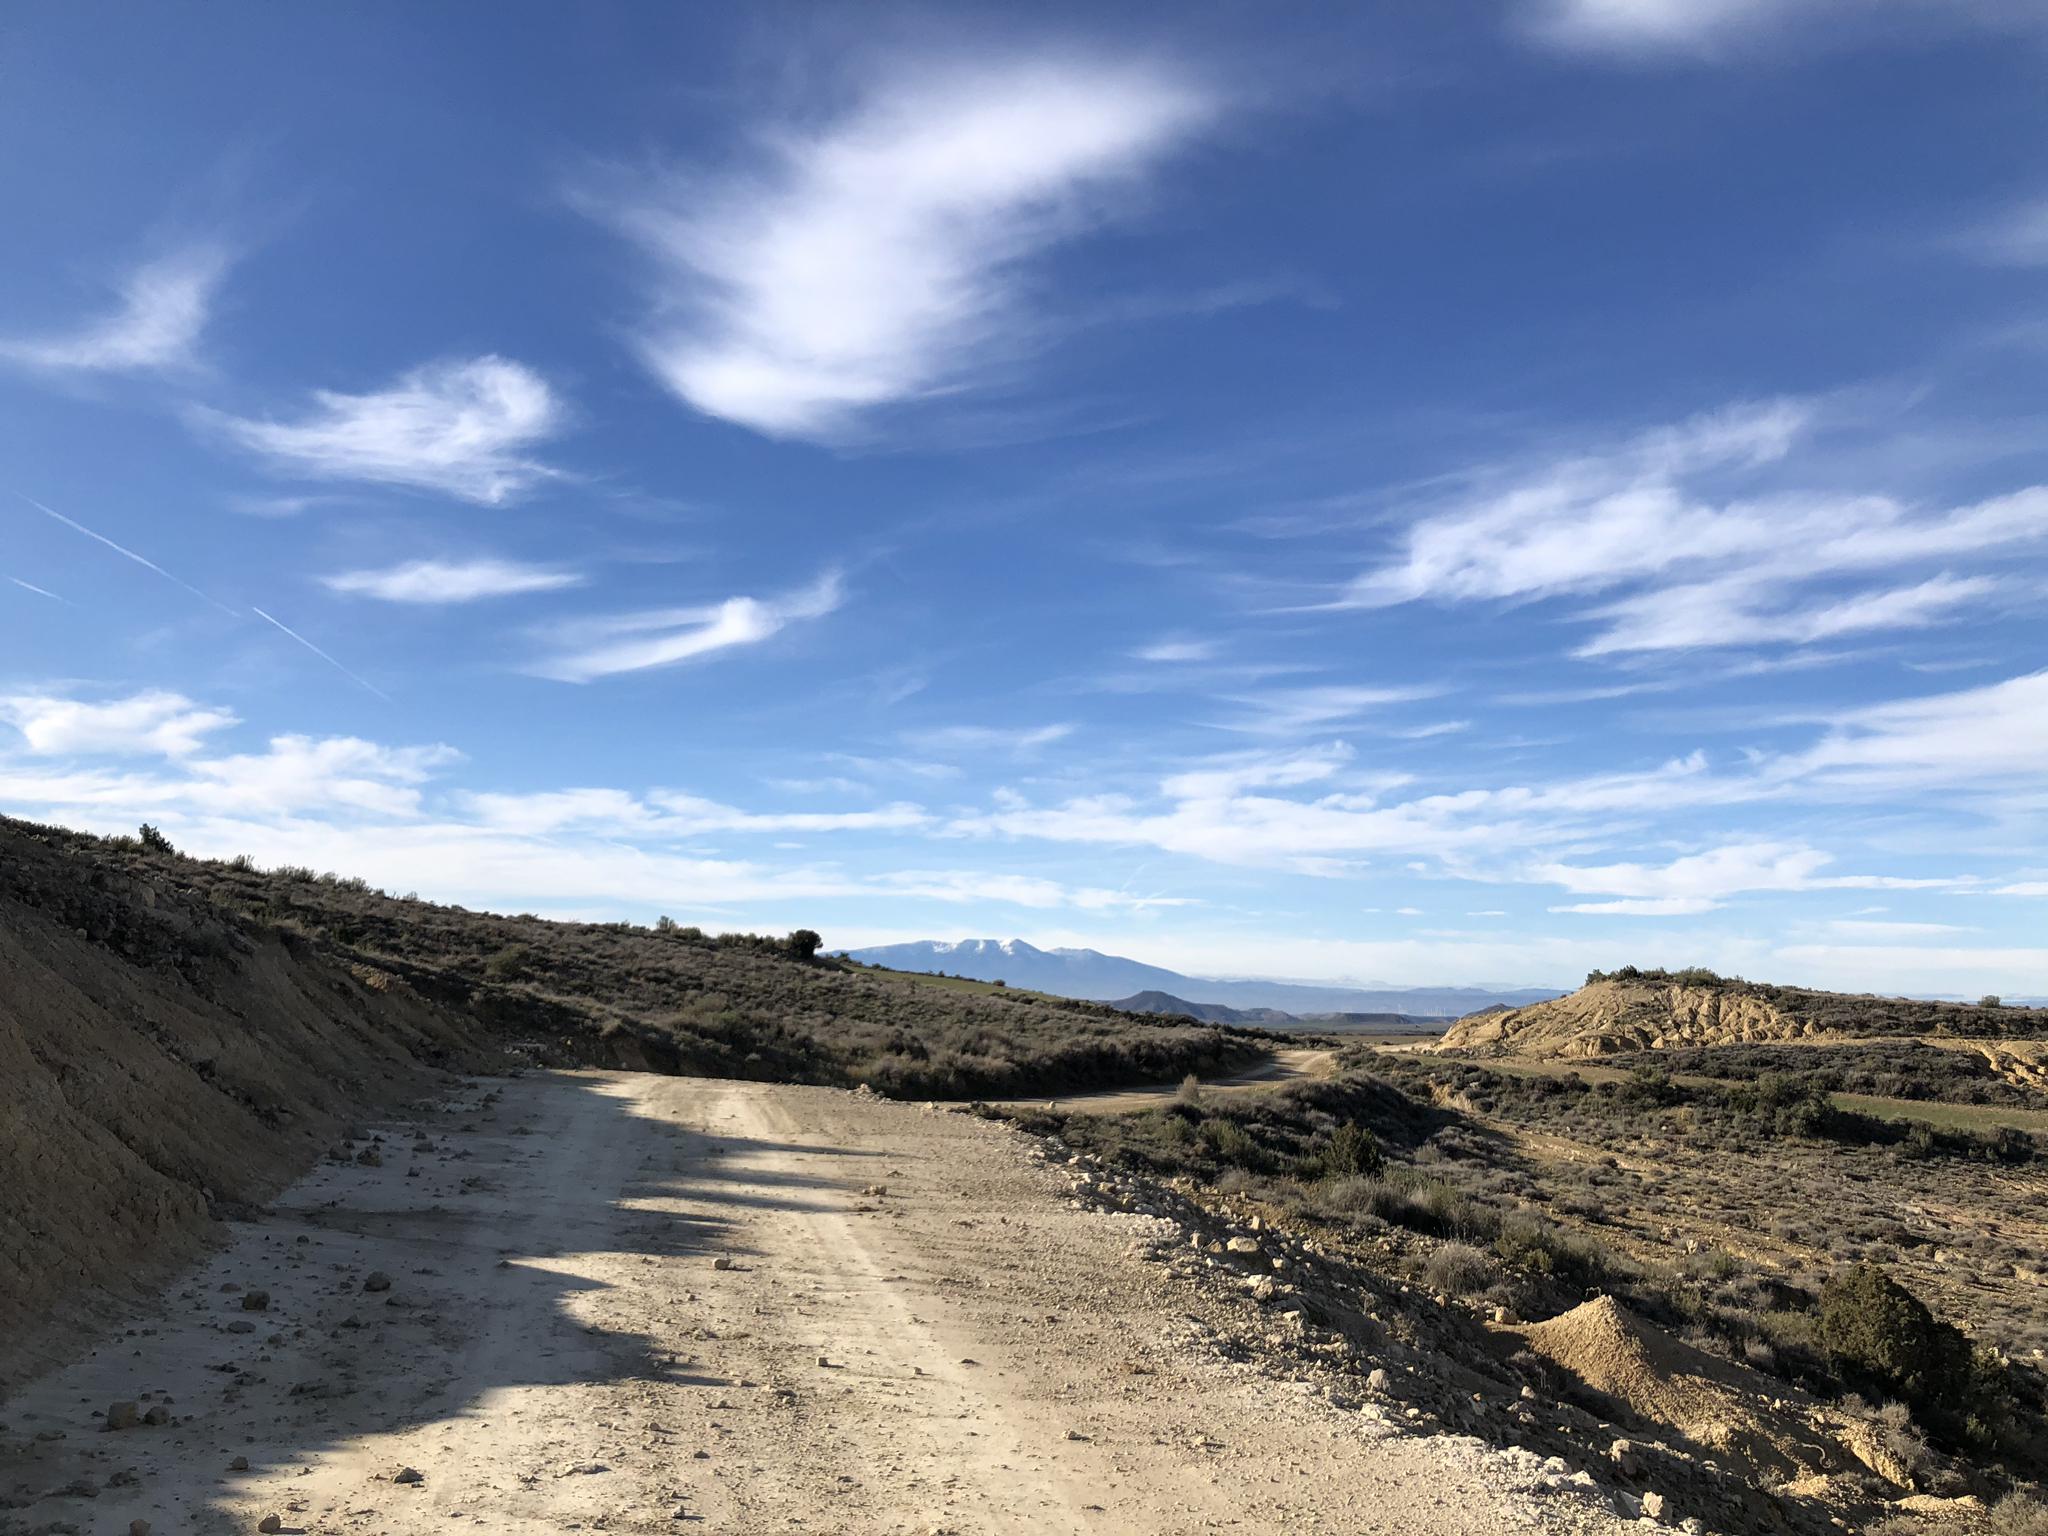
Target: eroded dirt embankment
(160, 1066)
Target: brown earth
(1605, 1018)
(163, 1066)
(1614, 1016)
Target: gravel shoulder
(630, 1302)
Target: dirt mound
(161, 1064)
(1605, 1018)
(1733, 1411)
(1652, 1010)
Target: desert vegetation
(1887, 1268)
(668, 996)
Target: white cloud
(882, 258)
(1997, 732)
(2023, 888)
(451, 581)
(634, 642)
(988, 738)
(1699, 882)
(1295, 711)
(163, 310)
(463, 428)
(1713, 874)
(1706, 568)
(1741, 611)
(360, 807)
(1645, 906)
(1227, 813)
(303, 772)
(1168, 651)
(666, 813)
(153, 722)
(1712, 29)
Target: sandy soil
(633, 1303)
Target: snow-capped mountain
(1091, 974)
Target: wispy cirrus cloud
(1976, 736)
(634, 642)
(1658, 529)
(883, 256)
(451, 581)
(162, 309)
(464, 428)
(1701, 882)
(1168, 652)
(988, 738)
(1295, 711)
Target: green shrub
(1353, 1150)
(1458, 1270)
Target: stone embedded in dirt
(241, 1325)
(376, 1280)
(123, 1415)
(1243, 1245)
(583, 1469)
(369, 1157)
(138, 1528)
(876, 1191)
(270, 1524)
(157, 1415)
(721, 1262)
(239, 1464)
(255, 1301)
(407, 1475)
(1653, 1505)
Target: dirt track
(1281, 1066)
(959, 1350)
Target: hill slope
(180, 1038)
(161, 1063)
(1088, 973)
(1214, 1013)
(1657, 1010)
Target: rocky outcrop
(1607, 1018)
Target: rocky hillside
(1634, 1010)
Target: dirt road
(636, 1303)
(1285, 1065)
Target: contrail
(118, 549)
(29, 586)
(309, 645)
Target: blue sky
(1435, 494)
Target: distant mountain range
(1273, 1018)
(1107, 978)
